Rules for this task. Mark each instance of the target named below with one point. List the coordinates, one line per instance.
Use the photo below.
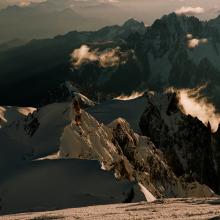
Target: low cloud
(82, 55)
(195, 42)
(190, 11)
(107, 58)
(193, 103)
(133, 95)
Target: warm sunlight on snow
(133, 95)
(26, 110)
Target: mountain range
(50, 18)
(177, 51)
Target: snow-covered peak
(90, 140)
(74, 93)
(118, 148)
(84, 100)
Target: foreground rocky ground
(161, 209)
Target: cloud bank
(107, 58)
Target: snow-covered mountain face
(189, 146)
(31, 170)
(127, 154)
(29, 133)
(30, 136)
(33, 146)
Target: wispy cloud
(133, 95)
(190, 10)
(193, 103)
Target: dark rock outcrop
(189, 146)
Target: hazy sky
(5, 3)
(146, 10)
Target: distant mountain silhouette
(50, 18)
(158, 56)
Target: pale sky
(146, 10)
(5, 3)
(157, 8)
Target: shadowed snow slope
(29, 137)
(56, 184)
(26, 185)
(130, 110)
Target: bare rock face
(149, 166)
(188, 145)
(31, 124)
